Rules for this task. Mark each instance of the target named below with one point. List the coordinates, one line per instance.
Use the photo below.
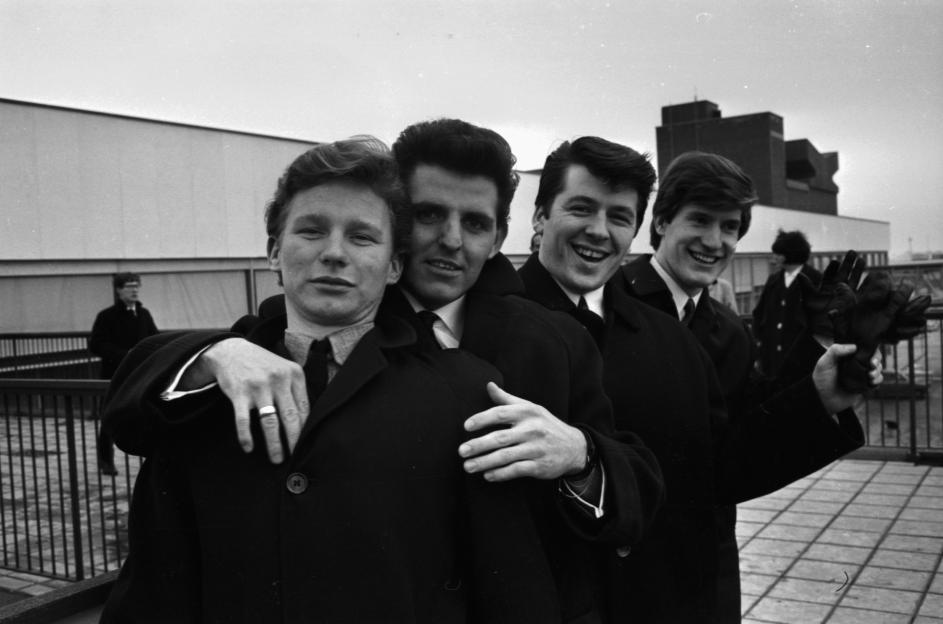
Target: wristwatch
(590, 459)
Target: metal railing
(60, 516)
(60, 355)
(904, 417)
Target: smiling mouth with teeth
(704, 259)
(446, 266)
(590, 255)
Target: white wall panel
(77, 185)
(20, 219)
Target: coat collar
(644, 283)
(542, 288)
(365, 362)
(498, 277)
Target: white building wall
(77, 185)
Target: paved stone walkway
(858, 542)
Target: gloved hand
(910, 321)
(873, 315)
(834, 292)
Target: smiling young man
(592, 197)
(371, 518)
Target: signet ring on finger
(268, 410)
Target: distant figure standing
(117, 328)
(779, 316)
(721, 290)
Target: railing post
(912, 400)
(78, 551)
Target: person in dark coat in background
(371, 518)
(117, 328)
(664, 387)
(779, 316)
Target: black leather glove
(834, 292)
(910, 321)
(877, 304)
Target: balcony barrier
(61, 517)
(57, 355)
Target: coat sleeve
(635, 489)
(135, 415)
(101, 342)
(149, 320)
(777, 441)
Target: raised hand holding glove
(834, 293)
(872, 316)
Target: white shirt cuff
(597, 509)
(172, 393)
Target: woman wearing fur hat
(779, 316)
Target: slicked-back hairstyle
(461, 148)
(708, 180)
(363, 161)
(118, 280)
(618, 166)
(793, 246)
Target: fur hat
(793, 246)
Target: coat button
(783, 302)
(297, 483)
(779, 347)
(779, 325)
(623, 551)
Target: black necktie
(316, 368)
(428, 319)
(590, 320)
(688, 312)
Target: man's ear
(396, 269)
(273, 251)
(499, 237)
(538, 220)
(660, 225)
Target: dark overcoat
(371, 518)
(115, 331)
(779, 318)
(548, 358)
(663, 387)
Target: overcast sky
(860, 77)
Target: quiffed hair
(793, 246)
(708, 180)
(464, 149)
(362, 160)
(118, 280)
(618, 166)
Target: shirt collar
(790, 274)
(677, 293)
(593, 298)
(342, 342)
(451, 314)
